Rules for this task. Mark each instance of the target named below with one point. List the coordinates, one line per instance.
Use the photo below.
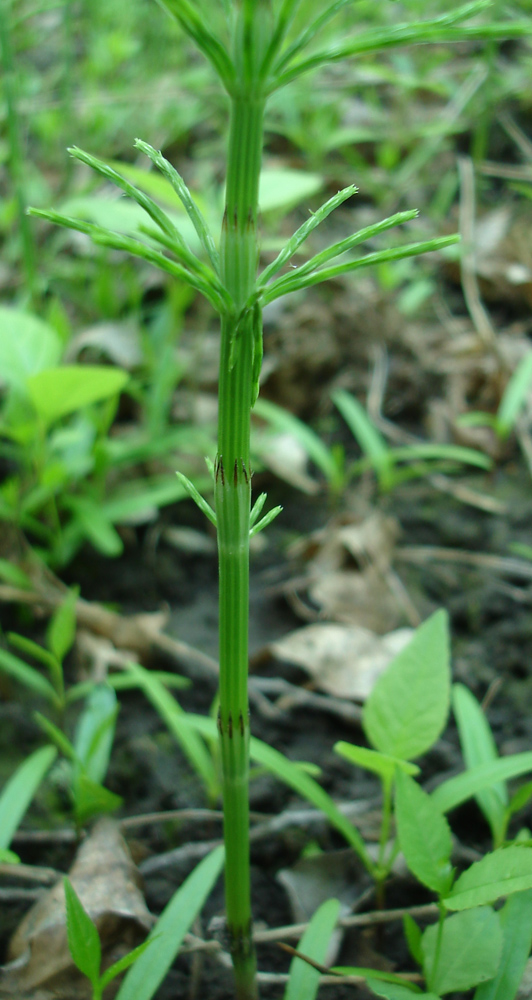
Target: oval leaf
(424, 835)
(469, 951)
(55, 392)
(498, 874)
(408, 707)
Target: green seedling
(256, 47)
(478, 747)
(149, 962)
(392, 465)
(512, 403)
(17, 794)
(54, 432)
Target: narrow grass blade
(303, 233)
(293, 282)
(20, 789)
(304, 979)
(516, 923)
(442, 452)
(26, 675)
(514, 396)
(290, 774)
(478, 747)
(284, 421)
(144, 977)
(454, 791)
(177, 721)
(367, 435)
(196, 496)
(186, 199)
(306, 36)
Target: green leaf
(478, 747)
(145, 976)
(95, 525)
(178, 723)
(82, 935)
(454, 791)
(501, 873)
(124, 963)
(289, 773)
(520, 798)
(27, 345)
(14, 575)
(27, 676)
(370, 440)
(413, 936)
(56, 392)
(372, 760)
(516, 922)
(286, 422)
(424, 835)
(91, 799)
(56, 735)
(407, 710)
(304, 981)
(95, 732)
(62, 628)
(8, 857)
(20, 789)
(396, 991)
(283, 188)
(514, 396)
(469, 952)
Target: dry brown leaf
(344, 660)
(107, 882)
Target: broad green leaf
(454, 791)
(284, 188)
(396, 991)
(27, 345)
(516, 922)
(82, 935)
(501, 873)
(372, 760)
(62, 628)
(26, 675)
(478, 747)
(56, 392)
(289, 773)
(304, 980)
(469, 952)
(19, 790)
(424, 835)
(144, 977)
(408, 707)
(178, 723)
(95, 731)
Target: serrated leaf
(516, 922)
(500, 873)
(143, 978)
(304, 980)
(82, 935)
(408, 707)
(468, 952)
(424, 835)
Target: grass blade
(145, 976)
(304, 979)
(453, 792)
(20, 789)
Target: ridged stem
(239, 256)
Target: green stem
(239, 257)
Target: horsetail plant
(255, 47)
